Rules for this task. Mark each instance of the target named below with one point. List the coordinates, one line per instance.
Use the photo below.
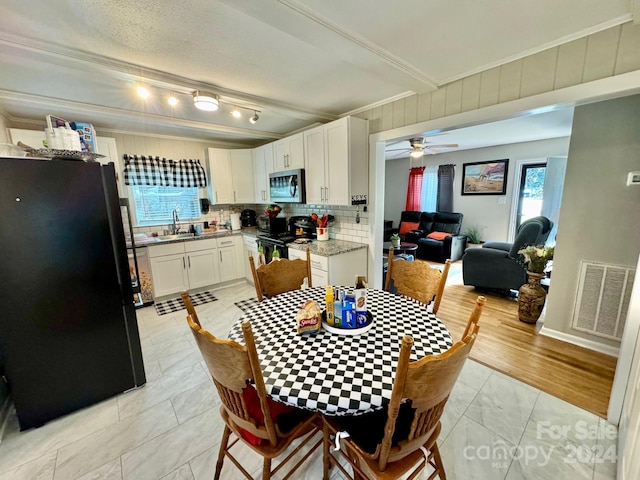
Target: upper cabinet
(336, 161)
(288, 153)
(231, 175)
(262, 167)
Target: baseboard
(581, 342)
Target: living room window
(154, 205)
(429, 197)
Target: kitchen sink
(176, 236)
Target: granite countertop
(150, 241)
(328, 248)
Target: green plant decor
(474, 234)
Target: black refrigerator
(68, 330)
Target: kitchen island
(333, 262)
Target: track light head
(255, 118)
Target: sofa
(498, 265)
(437, 234)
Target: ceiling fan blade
(444, 145)
(398, 150)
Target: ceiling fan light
(205, 101)
(253, 120)
(416, 152)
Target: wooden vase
(531, 298)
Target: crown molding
(380, 103)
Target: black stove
(280, 239)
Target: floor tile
(111, 442)
(195, 401)
(473, 452)
(542, 457)
(41, 468)
(503, 405)
(182, 473)
(108, 471)
(474, 374)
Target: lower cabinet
(340, 269)
(194, 264)
(250, 247)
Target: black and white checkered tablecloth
(336, 374)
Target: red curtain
(414, 190)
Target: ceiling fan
(419, 146)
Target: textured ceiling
(299, 62)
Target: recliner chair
(498, 265)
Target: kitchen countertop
(150, 241)
(328, 248)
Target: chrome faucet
(175, 227)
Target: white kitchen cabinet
(250, 247)
(183, 266)
(340, 269)
(336, 161)
(229, 253)
(231, 175)
(288, 153)
(262, 167)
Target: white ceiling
(299, 62)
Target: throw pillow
(406, 227)
(438, 235)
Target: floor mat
(175, 304)
(246, 304)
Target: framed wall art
(485, 178)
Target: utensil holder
(322, 233)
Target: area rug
(244, 305)
(175, 304)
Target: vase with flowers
(322, 228)
(531, 296)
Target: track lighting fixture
(255, 118)
(235, 113)
(172, 100)
(143, 92)
(205, 101)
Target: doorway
(531, 191)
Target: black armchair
(497, 265)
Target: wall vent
(604, 292)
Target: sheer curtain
(445, 188)
(414, 189)
(429, 189)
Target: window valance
(156, 171)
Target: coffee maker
(248, 218)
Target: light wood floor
(577, 375)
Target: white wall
(478, 210)
(600, 215)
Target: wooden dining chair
(248, 412)
(417, 279)
(280, 276)
(474, 318)
(390, 443)
(186, 299)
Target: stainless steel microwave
(287, 187)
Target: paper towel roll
(235, 221)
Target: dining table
(345, 373)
